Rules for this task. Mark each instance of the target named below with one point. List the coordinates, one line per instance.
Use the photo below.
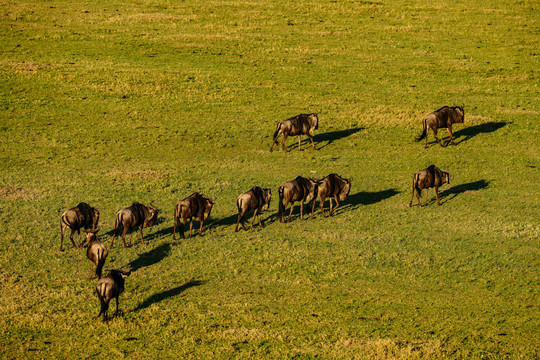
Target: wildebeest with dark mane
(442, 118)
(333, 186)
(82, 215)
(257, 199)
(299, 125)
(110, 287)
(136, 215)
(300, 189)
(194, 206)
(96, 251)
(431, 177)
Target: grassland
(114, 102)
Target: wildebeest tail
(117, 221)
(100, 264)
(278, 129)
(281, 207)
(423, 134)
(101, 295)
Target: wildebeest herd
(257, 199)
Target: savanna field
(111, 102)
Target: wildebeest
(442, 118)
(135, 215)
(194, 206)
(299, 125)
(109, 287)
(257, 199)
(431, 177)
(333, 186)
(300, 189)
(82, 215)
(96, 251)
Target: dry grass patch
(16, 193)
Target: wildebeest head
(267, 196)
(313, 188)
(207, 207)
(461, 114)
(445, 177)
(151, 216)
(313, 120)
(346, 189)
(91, 234)
(95, 217)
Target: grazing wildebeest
(194, 206)
(299, 189)
(428, 178)
(135, 215)
(333, 186)
(299, 125)
(109, 287)
(82, 215)
(96, 251)
(442, 118)
(257, 199)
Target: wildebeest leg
(323, 199)
(91, 272)
(418, 193)
(302, 209)
(174, 227)
(337, 204)
(190, 226)
(124, 236)
(200, 229)
(253, 220)
(436, 137)
(71, 237)
(275, 141)
(312, 142)
(283, 141)
(427, 192)
(240, 221)
(299, 149)
(427, 132)
(140, 229)
(450, 134)
(437, 195)
(182, 227)
(290, 213)
(116, 312)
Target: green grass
(115, 102)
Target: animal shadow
(168, 294)
(330, 137)
(163, 232)
(454, 191)
(150, 257)
(368, 198)
(471, 131)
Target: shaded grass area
(112, 103)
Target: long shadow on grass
(369, 198)
(230, 221)
(454, 191)
(332, 136)
(321, 140)
(471, 131)
(150, 257)
(168, 294)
